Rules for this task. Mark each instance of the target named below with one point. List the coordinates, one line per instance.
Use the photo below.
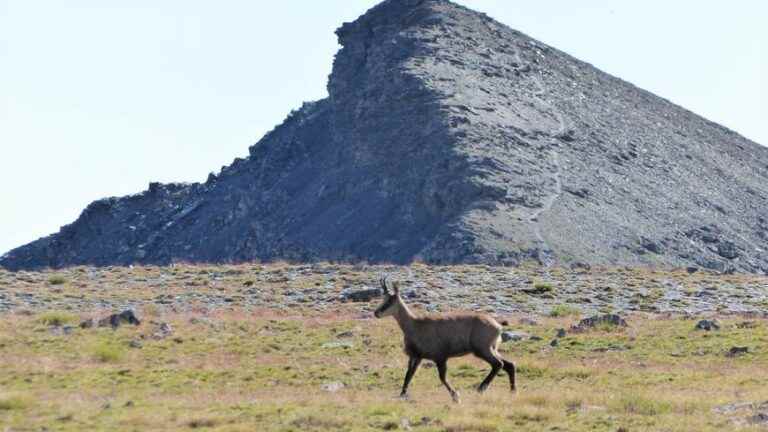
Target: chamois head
(391, 299)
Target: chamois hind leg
(509, 368)
(442, 369)
(496, 363)
(413, 365)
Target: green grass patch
(540, 288)
(57, 318)
(13, 403)
(57, 280)
(635, 404)
(108, 352)
(559, 311)
(313, 422)
(202, 423)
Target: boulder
(737, 351)
(118, 319)
(707, 325)
(727, 250)
(509, 336)
(360, 296)
(599, 320)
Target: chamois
(439, 338)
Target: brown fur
(439, 338)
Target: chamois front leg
(413, 365)
(442, 369)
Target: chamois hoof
(481, 389)
(455, 397)
(405, 397)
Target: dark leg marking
(509, 367)
(413, 365)
(496, 366)
(442, 369)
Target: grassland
(295, 358)
(267, 371)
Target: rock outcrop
(448, 137)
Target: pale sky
(99, 98)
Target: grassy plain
(303, 370)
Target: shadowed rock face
(449, 137)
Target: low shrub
(559, 311)
(106, 352)
(56, 318)
(57, 280)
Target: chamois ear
(396, 288)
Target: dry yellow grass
(266, 370)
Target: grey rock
(333, 387)
(528, 321)
(360, 296)
(707, 325)
(733, 407)
(89, 323)
(508, 336)
(162, 331)
(561, 333)
(728, 250)
(341, 344)
(737, 351)
(405, 424)
(595, 321)
(118, 319)
(758, 419)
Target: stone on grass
(610, 320)
(162, 331)
(118, 319)
(758, 419)
(528, 321)
(89, 323)
(340, 344)
(360, 296)
(707, 325)
(509, 336)
(333, 387)
(737, 351)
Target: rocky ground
(326, 287)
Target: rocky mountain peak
(448, 137)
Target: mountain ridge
(448, 137)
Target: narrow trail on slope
(545, 253)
